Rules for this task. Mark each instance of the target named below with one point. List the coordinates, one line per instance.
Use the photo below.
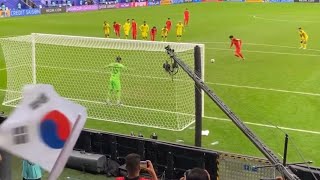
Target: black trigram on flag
(20, 135)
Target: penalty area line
(283, 20)
(265, 89)
(266, 125)
(266, 45)
(268, 52)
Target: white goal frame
(32, 40)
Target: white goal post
(76, 67)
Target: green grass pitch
(278, 84)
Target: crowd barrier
(51, 10)
(172, 160)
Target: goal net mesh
(76, 67)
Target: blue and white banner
(196, 1)
(177, 1)
(279, 1)
(234, 0)
(153, 3)
(25, 12)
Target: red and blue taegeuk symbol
(55, 129)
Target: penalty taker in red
(237, 44)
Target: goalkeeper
(114, 84)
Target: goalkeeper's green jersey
(116, 70)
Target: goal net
(76, 67)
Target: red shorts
(238, 50)
(186, 18)
(168, 28)
(134, 32)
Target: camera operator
(196, 174)
(134, 166)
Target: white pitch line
(268, 126)
(216, 118)
(258, 44)
(14, 67)
(265, 89)
(267, 52)
(282, 20)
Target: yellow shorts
(179, 33)
(126, 33)
(304, 40)
(164, 35)
(144, 34)
(107, 32)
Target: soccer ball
(212, 60)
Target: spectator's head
(197, 174)
(133, 165)
(279, 178)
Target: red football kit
(116, 28)
(168, 25)
(237, 44)
(134, 30)
(153, 33)
(186, 17)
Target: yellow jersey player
(303, 39)
(164, 33)
(144, 28)
(126, 28)
(179, 28)
(106, 29)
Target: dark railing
(170, 160)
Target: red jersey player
(134, 29)
(186, 17)
(168, 24)
(116, 28)
(153, 33)
(238, 44)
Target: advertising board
(25, 12)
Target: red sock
(241, 55)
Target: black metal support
(198, 97)
(285, 151)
